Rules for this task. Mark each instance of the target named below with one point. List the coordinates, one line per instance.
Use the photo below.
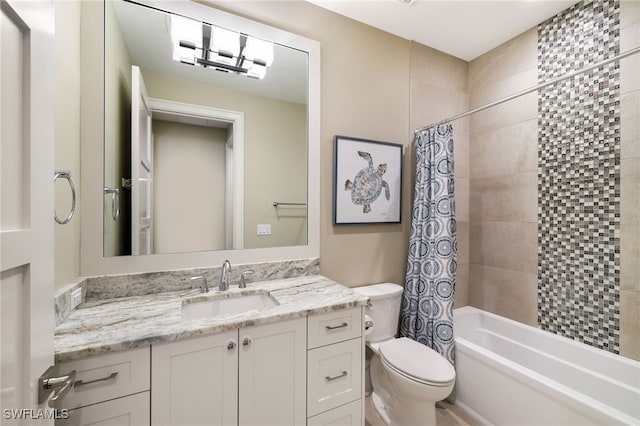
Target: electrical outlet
(264, 229)
(76, 297)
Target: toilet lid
(417, 361)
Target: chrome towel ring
(65, 174)
(115, 201)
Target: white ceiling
(462, 28)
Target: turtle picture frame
(367, 181)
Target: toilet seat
(416, 362)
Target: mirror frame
(92, 260)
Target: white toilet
(408, 378)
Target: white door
(141, 167)
(26, 202)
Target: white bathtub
(508, 373)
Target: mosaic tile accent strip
(579, 176)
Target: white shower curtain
(427, 302)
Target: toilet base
(380, 407)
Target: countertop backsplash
(117, 286)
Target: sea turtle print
(368, 183)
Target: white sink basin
(226, 306)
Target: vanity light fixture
(205, 45)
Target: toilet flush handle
(368, 323)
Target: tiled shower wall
(503, 196)
(579, 176)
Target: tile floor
(446, 415)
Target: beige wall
(439, 90)
(630, 182)
(67, 136)
(188, 187)
(365, 93)
(503, 185)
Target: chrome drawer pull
(104, 379)
(344, 324)
(330, 379)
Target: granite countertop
(111, 325)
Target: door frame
(235, 197)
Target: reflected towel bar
(280, 203)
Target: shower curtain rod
(533, 89)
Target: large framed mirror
(210, 131)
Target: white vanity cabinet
(251, 376)
(109, 389)
(335, 371)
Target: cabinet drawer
(106, 377)
(334, 376)
(132, 410)
(333, 327)
(346, 415)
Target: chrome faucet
(243, 281)
(204, 288)
(224, 280)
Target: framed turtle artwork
(367, 181)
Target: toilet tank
(384, 310)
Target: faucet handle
(204, 288)
(243, 282)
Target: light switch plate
(264, 229)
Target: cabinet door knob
(231, 345)
(246, 341)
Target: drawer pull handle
(330, 379)
(335, 327)
(104, 379)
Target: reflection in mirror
(197, 150)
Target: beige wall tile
(630, 191)
(630, 66)
(436, 68)
(508, 59)
(461, 149)
(463, 242)
(630, 124)
(431, 104)
(504, 245)
(630, 74)
(462, 199)
(524, 108)
(461, 296)
(503, 88)
(507, 293)
(508, 150)
(629, 37)
(629, 256)
(511, 198)
(630, 324)
(629, 12)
